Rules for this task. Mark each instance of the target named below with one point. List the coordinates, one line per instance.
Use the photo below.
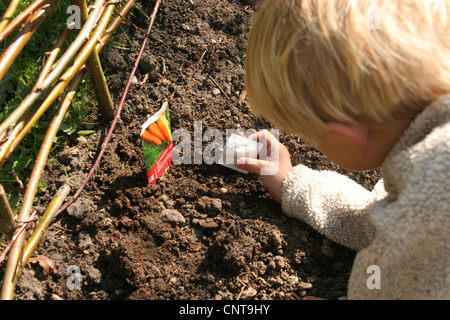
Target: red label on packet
(157, 144)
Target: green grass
(17, 84)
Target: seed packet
(157, 144)
(236, 147)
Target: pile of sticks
(58, 79)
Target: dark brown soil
(231, 240)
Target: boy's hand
(272, 165)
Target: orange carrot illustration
(153, 128)
(149, 137)
(163, 125)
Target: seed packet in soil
(157, 144)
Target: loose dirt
(203, 231)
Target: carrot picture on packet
(157, 143)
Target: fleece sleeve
(334, 205)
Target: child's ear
(356, 133)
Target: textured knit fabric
(402, 226)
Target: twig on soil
(118, 111)
(202, 56)
(219, 87)
(139, 8)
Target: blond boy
(367, 82)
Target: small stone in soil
(172, 216)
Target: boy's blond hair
(310, 61)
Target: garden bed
(202, 231)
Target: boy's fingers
(252, 165)
(254, 136)
(267, 139)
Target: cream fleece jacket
(402, 226)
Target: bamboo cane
(13, 258)
(27, 103)
(34, 21)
